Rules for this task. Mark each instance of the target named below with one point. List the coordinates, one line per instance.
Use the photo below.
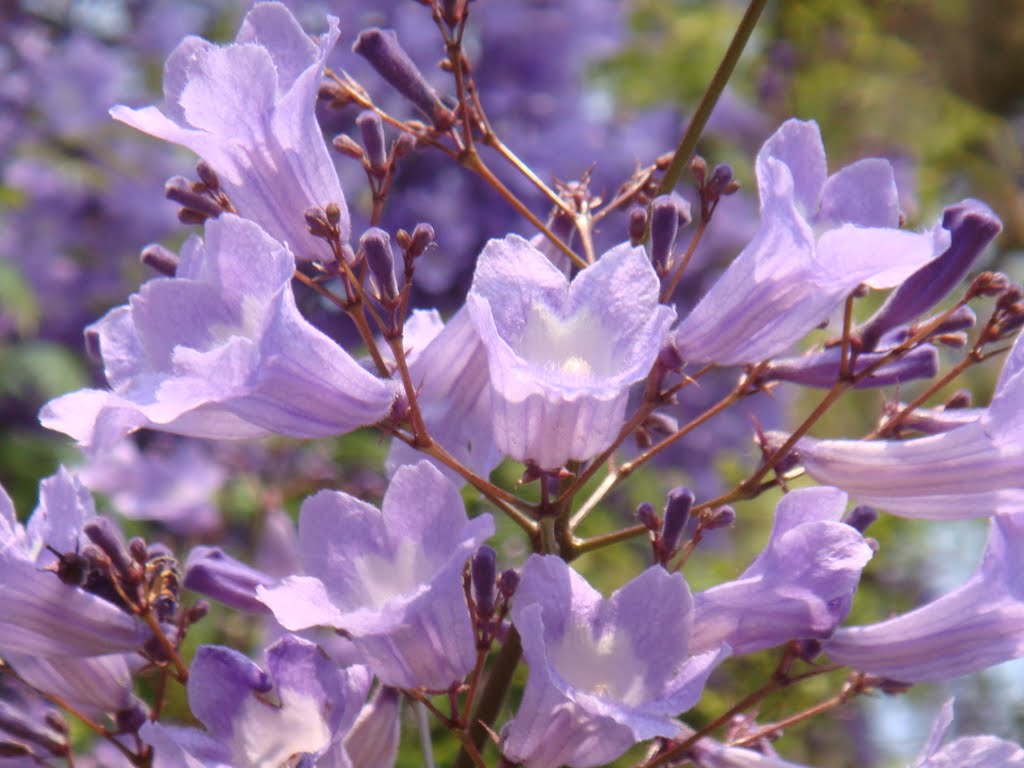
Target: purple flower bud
(962, 319)
(207, 175)
(376, 246)
(720, 183)
(453, 10)
(347, 146)
(647, 516)
(861, 517)
(508, 582)
(137, 548)
(159, 258)
(179, 190)
(104, 534)
(677, 512)
(637, 225)
(403, 145)
(972, 226)
(211, 572)
(380, 47)
(91, 338)
(664, 228)
(371, 131)
(821, 369)
(962, 398)
(130, 719)
(723, 517)
(422, 237)
(483, 570)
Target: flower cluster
(557, 355)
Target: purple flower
(448, 364)
(174, 483)
(973, 627)
(819, 239)
(247, 109)
(316, 703)
(604, 674)
(390, 578)
(373, 739)
(220, 351)
(972, 470)
(800, 586)
(562, 357)
(987, 751)
(40, 615)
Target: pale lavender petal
(97, 686)
(562, 357)
(863, 193)
(985, 751)
(797, 145)
(971, 628)
(373, 739)
(800, 586)
(248, 110)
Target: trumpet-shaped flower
(820, 237)
(972, 470)
(800, 586)
(973, 627)
(987, 751)
(221, 351)
(562, 357)
(247, 109)
(316, 704)
(390, 578)
(604, 674)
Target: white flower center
(605, 666)
(267, 736)
(385, 577)
(575, 347)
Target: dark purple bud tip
(14, 749)
(661, 423)
(132, 718)
(347, 146)
(637, 225)
(721, 182)
(376, 247)
(371, 131)
(484, 571)
(319, 226)
(333, 213)
(422, 237)
(892, 687)
(677, 512)
(664, 228)
(452, 11)
(179, 190)
(91, 337)
(861, 517)
(647, 516)
(138, 549)
(207, 175)
(508, 582)
(381, 48)
(198, 612)
(104, 534)
(669, 358)
(155, 256)
(962, 319)
(723, 517)
(962, 398)
(403, 145)
(808, 650)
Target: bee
(162, 585)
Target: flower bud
(508, 582)
(861, 517)
(647, 516)
(376, 246)
(484, 570)
(347, 146)
(422, 237)
(207, 175)
(179, 190)
(677, 512)
(403, 145)
(371, 131)
(381, 48)
(159, 258)
(637, 225)
(723, 517)
(104, 534)
(664, 228)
